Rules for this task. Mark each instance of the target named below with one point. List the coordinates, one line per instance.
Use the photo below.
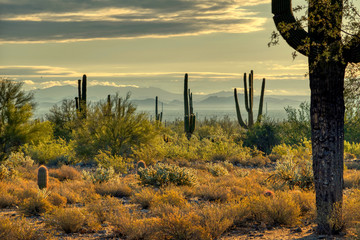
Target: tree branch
(295, 36)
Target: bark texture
(327, 135)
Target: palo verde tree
(329, 51)
(15, 112)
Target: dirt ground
(254, 232)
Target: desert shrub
(18, 229)
(17, 159)
(241, 172)
(51, 151)
(183, 225)
(77, 191)
(103, 208)
(36, 205)
(169, 196)
(116, 127)
(165, 174)
(306, 201)
(297, 126)
(351, 209)
(216, 169)
(293, 172)
(278, 210)
(133, 225)
(352, 179)
(6, 173)
(6, 199)
(65, 173)
(256, 161)
(213, 192)
(216, 219)
(119, 164)
(353, 148)
(263, 136)
(99, 175)
(69, 220)
(144, 197)
(57, 200)
(114, 188)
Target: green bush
(51, 151)
(165, 174)
(117, 128)
(99, 175)
(119, 164)
(216, 169)
(263, 136)
(293, 172)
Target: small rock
(262, 225)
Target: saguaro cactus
(140, 164)
(80, 101)
(189, 118)
(158, 116)
(249, 102)
(328, 55)
(43, 177)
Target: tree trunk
(327, 130)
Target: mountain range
(214, 104)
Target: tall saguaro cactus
(189, 118)
(328, 56)
(249, 102)
(158, 116)
(80, 101)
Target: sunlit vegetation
(221, 179)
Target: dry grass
(278, 210)
(69, 220)
(65, 173)
(77, 191)
(113, 188)
(18, 229)
(352, 179)
(170, 196)
(57, 200)
(35, 206)
(144, 197)
(103, 208)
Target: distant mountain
(144, 98)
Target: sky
(146, 43)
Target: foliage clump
(164, 174)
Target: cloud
(64, 21)
(36, 71)
(111, 84)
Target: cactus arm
(156, 108)
(352, 50)
(251, 99)
(261, 103)
(76, 103)
(246, 95)
(238, 113)
(191, 103)
(84, 90)
(186, 104)
(296, 36)
(192, 123)
(79, 94)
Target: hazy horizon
(147, 44)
